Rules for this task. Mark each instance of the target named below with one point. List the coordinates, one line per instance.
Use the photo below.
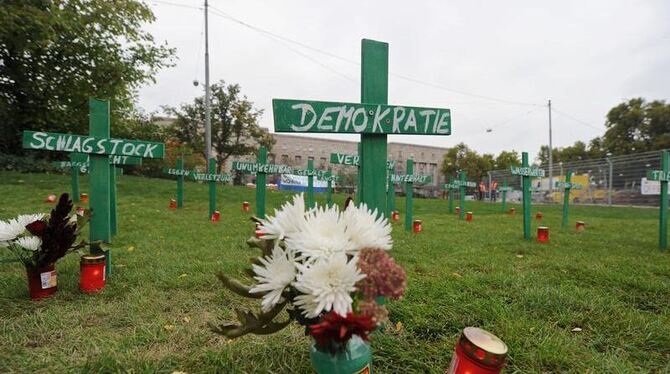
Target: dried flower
(378, 313)
(384, 277)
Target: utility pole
(551, 161)
(208, 120)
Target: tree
(506, 159)
(637, 125)
(461, 157)
(55, 54)
(234, 121)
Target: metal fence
(616, 180)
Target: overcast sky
(586, 56)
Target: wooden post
(261, 182)
(663, 216)
(390, 192)
(451, 195)
(463, 180)
(112, 199)
(180, 182)
(526, 197)
(373, 150)
(503, 196)
(74, 179)
(409, 191)
(329, 188)
(211, 168)
(310, 183)
(566, 198)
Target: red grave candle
(42, 282)
(468, 216)
(245, 206)
(83, 197)
(542, 234)
(458, 210)
(538, 216)
(395, 216)
(50, 199)
(417, 226)
(173, 204)
(478, 352)
(512, 211)
(216, 216)
(92, 273)
(580, 226)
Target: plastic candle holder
(512, 211)
(478, 352)
(83, 197)
(245, 206)
(543, 234)
(395, 216)
(580, 226)
(50, 199)
(216, 216)
(173, 204)
(42, 282)
(468, 216)
(417, 226)
(538, 216)
(458, 210)
(92, 273)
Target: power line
(576, 119)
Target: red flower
(36, 228)
(334, 331)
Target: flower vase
(355, 359)
(42, 282)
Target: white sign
(648, 187)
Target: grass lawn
(611, 281)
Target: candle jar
(478, 352)
(395, 216)
(216, 216)
(417, 226)
(245, 206)
(538, 216)
(468, 216)
(543, 234)
(42, 282)
(458, 210)
(92, 273)
(512, 211)
(173, 204)
(50, 199)
(83, 197)
(580, 226)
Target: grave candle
(245, 206)
(216, 215)
(395, 216)
(478, 352)
(83, 197)
(512, 211)
(458, 210)
(580, 226)
(42, 282)
(543, 234)
(468, 216)
(50, 199)
(417, 226)
(538, 216)
(173, 204)
(92, 273)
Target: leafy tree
(55, 54)
(506, 159)
(234, 121)
(461, 157)
(637, 125)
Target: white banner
(648, 187)
(301, 180)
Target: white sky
(587, 56)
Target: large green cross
(462, 183)
(527, 173)
(450, 187)
(180, 173)
(503, 195)
(373, 120)
(567, 186)
(354, 160)
(329, 178)
(409, 179)
(662, 176)
(390, 192)
(99, 146)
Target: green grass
(611, 281)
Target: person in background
(494, 190)
(482, 190)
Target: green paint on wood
(100, 189)
(390, 192)
(658, 175)
(180, 183)
(527, 171)
(366, 118)
(359, 178)
(663, 216)
(353, 160)
(462, 184)
(92, 144)
(261, 181)
(409, 192)
(503, 192)
(526, 179)
(329, 188)
(566, 198)
(310, 183)
(112, 199)
(211, 168)
(451, 195)
(373, 151)
(74, 181)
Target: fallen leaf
(179, 372)
(577, 329)
(519, 256)
(456, 275)
(120, 265)
(131, 248)
(398, 326)
(183, 275)
(187, 319)
(168, 327)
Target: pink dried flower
(378, 313)
(383, 276)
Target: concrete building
(296, 150)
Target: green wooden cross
(354, 160)
(409, 192)
(662, 176)
(526, 172)
(180, 173)
(390, 192)
(462, 183)
(211, 169)
(310, 183)
(373, 119)
(330, 178)
(503, 191)
(567, 186)
(450, 187)
(99, 146)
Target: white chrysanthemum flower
(286, 221)
(31, 243)
(9, 230)
(323, 234)
(276, 273)
(26, 219)
(365, 229)
(327, 284)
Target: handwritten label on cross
(372, 118)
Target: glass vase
(355, 359)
